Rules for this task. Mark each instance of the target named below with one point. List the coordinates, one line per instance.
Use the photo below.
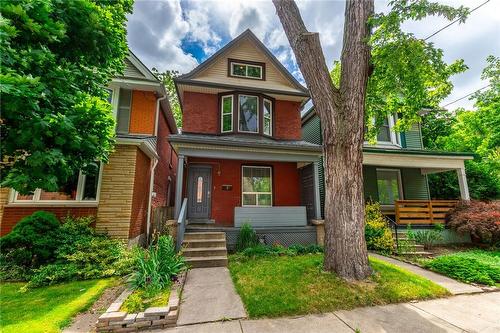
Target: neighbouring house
(395, 171)
(241, 155)
(139, 176)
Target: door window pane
(199, 190)
(248, 113)
(388, 186)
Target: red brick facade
(166, 169)
(201, 115)
(228, 172)
(13, 214)
(140, 198)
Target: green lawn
(46, 309)
(478, 266)
(279, 286)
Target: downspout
(155, 162)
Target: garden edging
(114, 320)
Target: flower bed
(114, 320)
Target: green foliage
(261, 250)
(472, 266)
(32, 242)
(156, 266)
(54, 252)
(167, 77)
(247, 237)
(285, 285)
(139, 300)
(469, 131)
(427, 237)
(57, 59)
(408, 74)
(378, 235)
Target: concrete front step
(212, 235)
(205, 251)
(196, 243)
(212, 261)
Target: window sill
(52, 204)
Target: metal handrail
(393, 224)
(181, 224)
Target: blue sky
(173, 34)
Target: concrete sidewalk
(209, 295)
(453, 286)
(469, 313)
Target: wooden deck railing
(422, 211)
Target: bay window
(227, 114)
(248, 113)
(256, 186)
(80, 187)
(268, 119)
(389, 186)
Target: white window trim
(222, 113)
(258, 125)
(246, 70)
(115, 95)
(78, 200)
(400, 184)
(257, 193)
(270, 117)
(395, 142)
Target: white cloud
(157, 28)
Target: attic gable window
(244, 69)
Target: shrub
(426, 237)
(280, 250)
(156, 266)
(76, 253)
(32, 242)
(247, 237)
(377, 233)
(480, 219)
(468, 267)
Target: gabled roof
(246, 35)
(134, 68)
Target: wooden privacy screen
(422, 211)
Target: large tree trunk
(342, 118)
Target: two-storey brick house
(139, 176)
(241, 156)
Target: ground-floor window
(256, 186)
(79, 187)
(389, 186)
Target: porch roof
(245, 147)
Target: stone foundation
(114, 320)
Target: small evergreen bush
(377, 233)
(426, 237)
(247, 237)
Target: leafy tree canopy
(167, 77)
(408, 74)
(57, 57)
(475, 131)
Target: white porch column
(178, 186)
(317, 199)
(462, 182)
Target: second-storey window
(256, 186)
(268, 117)
(227, 113)
(248, 113)
(246, 70)
(124, 107)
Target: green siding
(415, 186)
(413, 138)
(370, 183)
(311, 131)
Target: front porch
(229, 181)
